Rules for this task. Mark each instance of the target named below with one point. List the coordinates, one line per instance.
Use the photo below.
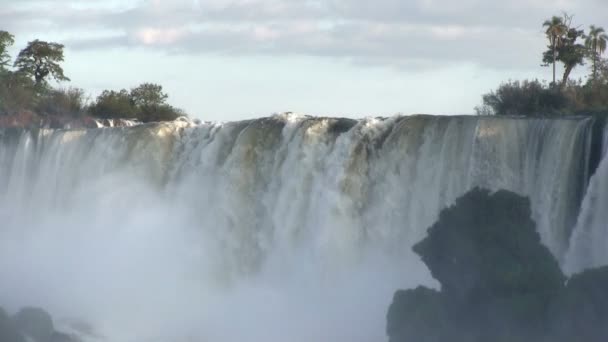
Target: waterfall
(589, 242)
(289, 227)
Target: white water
(283, 229)
(589, 242)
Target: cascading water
(289, 228)
(589, 243)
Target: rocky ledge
(498, 282)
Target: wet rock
(8, 332)
(34, 323)
(498, 282)
(486, 245)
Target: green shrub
(62, 102)
(17, 93)
(113, 105)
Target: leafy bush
(113, 104)
(146, 102)
(148, 95)
(532, 98)
(523, 98)
(67, 101)
(159, 113)
(17, 93)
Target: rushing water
(288, 228)
(589, 242)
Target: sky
(224, 60)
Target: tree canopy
(596, 43)
(146, 102)
(112, 104)
(555, 30)
(6, 40)
(41, 59)
(148, 94)
(570, 53)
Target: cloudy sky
(233, 59)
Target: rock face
(8, 332)
(580, 313)
(498, 282)
(31, 324)
(34, 323)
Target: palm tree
(596, 43)
(556, 29)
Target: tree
(146, 103)
(112, 104)
(148, 95)
(602, 71)
(16, 93)
(596, 43)
(6, 40)
(556, 29)
(41, 59)
(62, 102)
(150, 104)
(569, 52)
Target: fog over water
(289, 228)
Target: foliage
(602, 72)
(146, 103)
(112, 104)
(16, 93)
(569, 52)
(41, 59)
(523, 98)
(596, 44)
(6, 40)
(148, 95)
(64, 101)
(159, 113)
(555, 30)
(26, 90)
(532, 98)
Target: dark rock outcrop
(498, 282)
(8, 332)
(580, 313)
(34, 323)
(31, 324)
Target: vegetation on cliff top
(25, 88)
(571, 47)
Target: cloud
(156, 36)
(388, 32)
